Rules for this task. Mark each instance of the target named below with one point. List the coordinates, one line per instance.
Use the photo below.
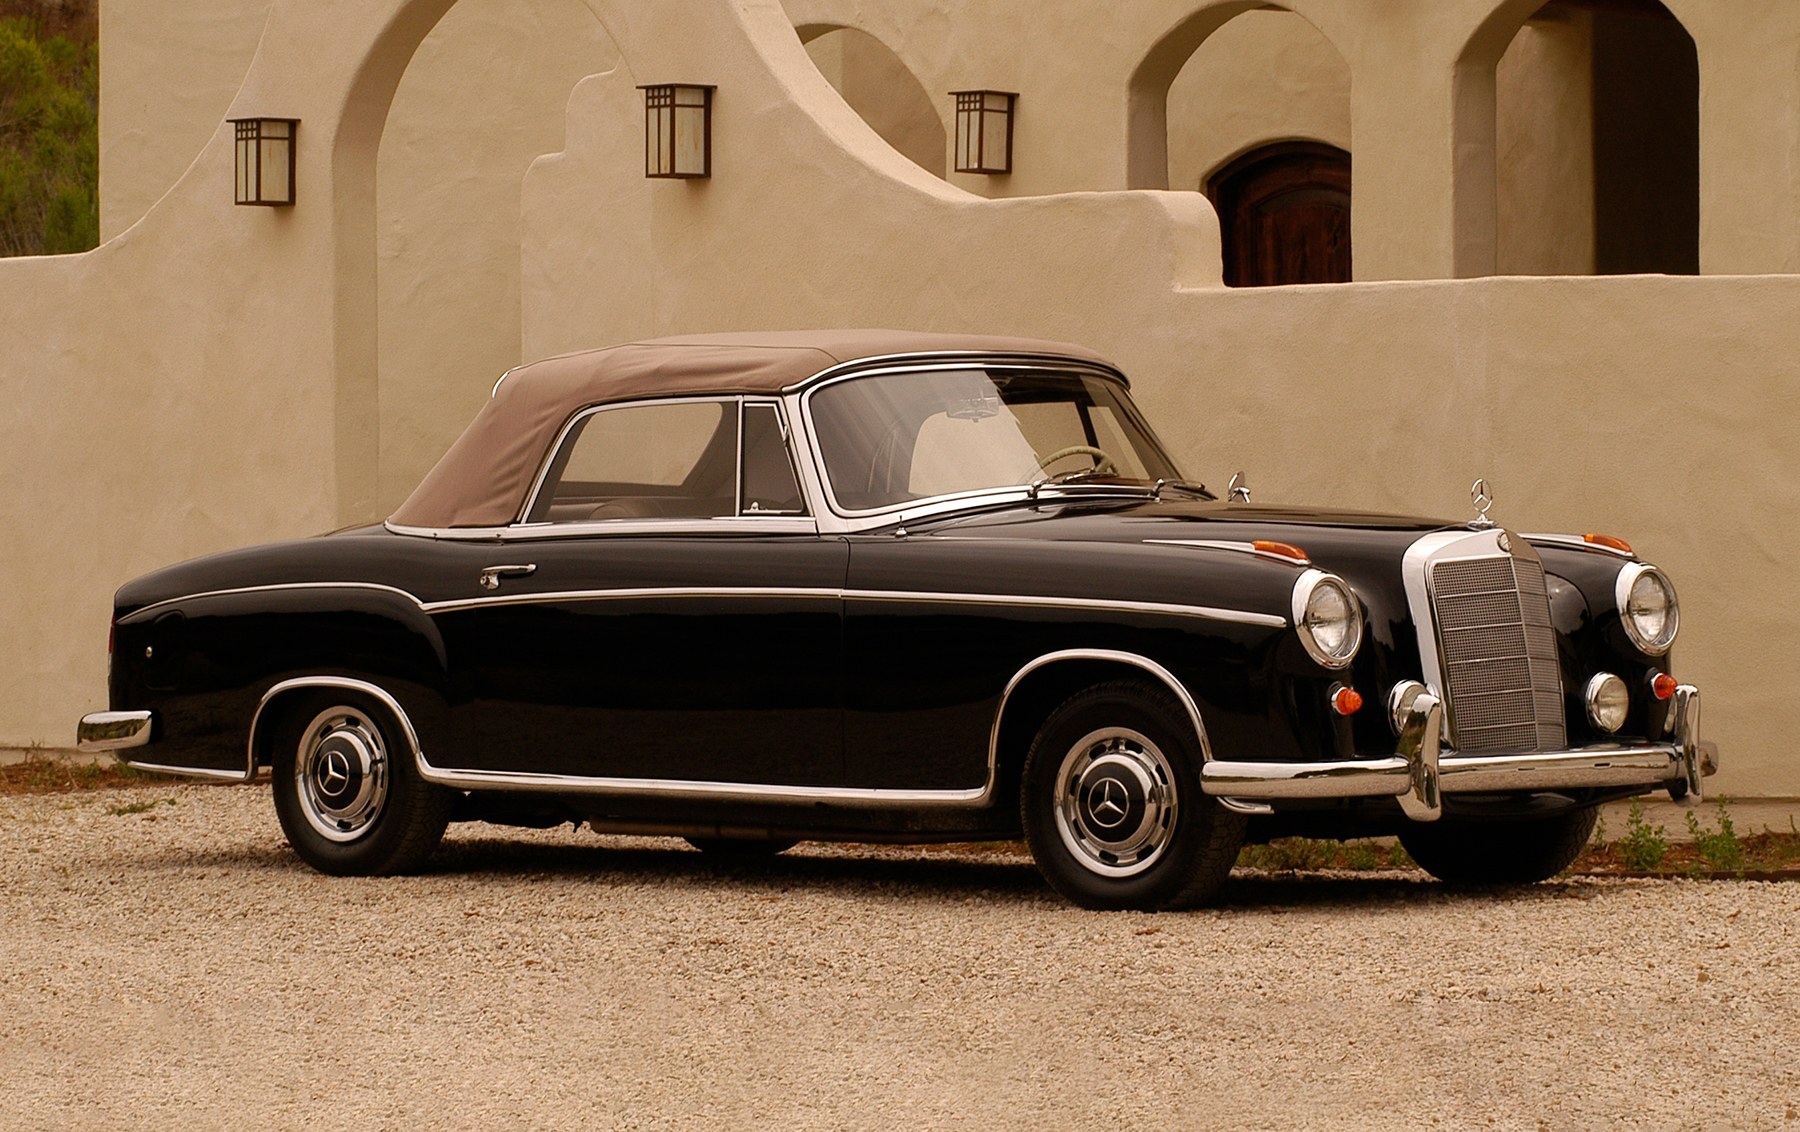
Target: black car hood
(1328, 536)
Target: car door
(668, 612)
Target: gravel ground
(177, 966)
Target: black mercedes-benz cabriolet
(886, 586)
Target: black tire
(741, 846)
(347, 792)
(1500, 852)
(1112, 806)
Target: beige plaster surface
(1266, 76)
(890, 98)
(170, 70)
(211, 376)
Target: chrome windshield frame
(836, 518)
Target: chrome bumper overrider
(114, 730)
(1419, 774)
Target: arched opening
(1258, 118)
(1284, 215)
(482, 96)
(877, 84)
(1597, 142)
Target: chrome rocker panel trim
(114, 730)
(1419, 773)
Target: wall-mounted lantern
(265, 160)
(984, 129)
(677, 130)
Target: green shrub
(1720, 849)
(49, 127)
(1644, 845)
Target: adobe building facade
(1572, 266)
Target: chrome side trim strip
(1209, 613)
(344, 683)
(114, 730)
(1028, 600)
(631, 594)
(468, 779)
(276, 587)
(230, 776)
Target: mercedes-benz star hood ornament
(1478, 494)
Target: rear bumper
(1419, 774)
(115, 730)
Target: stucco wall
(1265, 76)
(169, 70)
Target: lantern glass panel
(276, 162)
(677, 130)
(984, 131)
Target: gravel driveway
(178, 967)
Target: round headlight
(1647, 608)
(1327, 616)
(1607, 702)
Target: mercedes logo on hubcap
(1108, 803)
(335, 774)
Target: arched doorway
(483, 95)
(881, 89)
(1284, 215)
(1597, 142)
(1256, 114)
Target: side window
(770, 487)
(653, 461)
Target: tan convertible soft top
(483, 478)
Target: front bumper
(1419, 774)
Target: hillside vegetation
(49, 126)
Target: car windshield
(890, 439)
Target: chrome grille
(1503, 684)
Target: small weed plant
(1644, 845)
(1720, 849)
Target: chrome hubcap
(1115, 802)
(341, 773)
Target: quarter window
(670, 460)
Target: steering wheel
(1103, 463)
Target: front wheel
(348, 795)
(1112, 807)
(1500, 852)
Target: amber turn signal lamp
(1284, 549)
(1608, 541)
(1663, 686)
(1346, 701)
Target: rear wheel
(347, 793)
(1112, 807)
(1500, 852)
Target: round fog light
(1400, 703)
(1607, 701)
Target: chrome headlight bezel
(1316, 586)
(1629, 579)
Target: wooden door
(1284, 215)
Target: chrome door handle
(490, 577)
